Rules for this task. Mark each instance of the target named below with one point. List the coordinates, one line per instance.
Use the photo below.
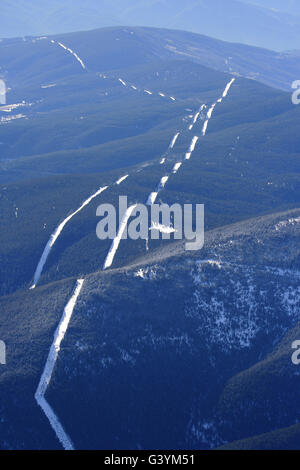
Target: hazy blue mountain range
(253, 22)
(289, 6)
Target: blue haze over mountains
(273, 24)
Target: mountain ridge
(211, 17)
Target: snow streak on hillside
(60, 228)
(163, 182)
(60, 44)
(56, 234)
(211, 109)
(49, 367)
(225, 93)
(195, 119)
(143, 90)
(123, 178)
(176, 167)
(173, 141)
(193, 144)
(152, 197)
(115, 244)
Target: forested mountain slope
(139, 343)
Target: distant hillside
(35, 61)
(230, 20)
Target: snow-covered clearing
(49, 367)
(193, 143)
(74, 54)
(176, 167)
(143, 90)
(211, 109)
(173, 141)
(196, 117)
(152, 198)
(56, 234)
(116, 241)
(120, 180)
